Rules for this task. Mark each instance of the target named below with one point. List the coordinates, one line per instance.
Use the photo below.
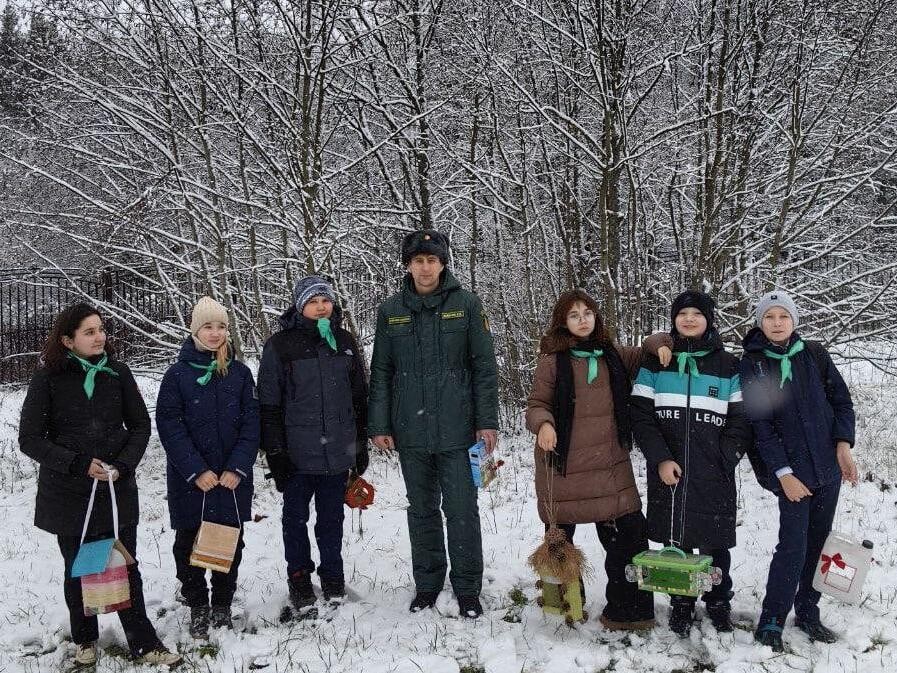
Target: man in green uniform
(433, 393)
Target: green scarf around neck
(689, 359)
(785, 360)
(326, 332)
(209, 370)
(593, 361)
(91, 369)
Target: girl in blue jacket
(207, 415)
(803, 420)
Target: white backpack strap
(93, 495)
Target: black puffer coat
(63, 430)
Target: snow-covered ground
(374, 633)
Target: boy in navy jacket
(803, 420)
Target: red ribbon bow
(828, 560)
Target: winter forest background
(632, 147)
(154, 150)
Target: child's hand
(206, 481)
(230, 480)
(794, 488)
(547, 439)
(384, 443)
(669, 472)
(665, 355)
(847, 464)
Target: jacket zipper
(685, 469)
(323, 422)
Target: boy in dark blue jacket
(207, 415)
(313, 394)
(803, 420)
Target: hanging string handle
(236, 508)
(672, 511)
(93, 494)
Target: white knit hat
(207, 310)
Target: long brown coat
(599, 485)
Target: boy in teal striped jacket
(687, 420)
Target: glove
(362, 456)
(281, 469)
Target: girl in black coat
(83, 420)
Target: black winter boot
(470, 606)
(199, 622)
(681, 616)
(334, 589)
(769, 633)
(220, 617)
(423, 600)
(720, 613)
(816, 631)
(302, 593)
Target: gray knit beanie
(777, 298)
(309, 287)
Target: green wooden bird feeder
(671, 571)
(561, 598)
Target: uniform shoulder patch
(452, 315)
(398, 319)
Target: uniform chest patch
(398, 319)
(452, 315)
(713, 391)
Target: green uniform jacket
(433, 374)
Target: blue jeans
(329, 492)
(803, 528)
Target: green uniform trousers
(434, 478)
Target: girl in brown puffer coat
(579, 410)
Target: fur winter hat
(425, 242)
(694, 299)
(308, 288)
(776, 298)
(207, 310)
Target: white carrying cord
(236, 508)
(673, 543)
(93, 492)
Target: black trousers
(139, 631)
(193, 579)
(622, 539)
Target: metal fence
(30, 299)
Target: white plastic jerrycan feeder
(842, 567)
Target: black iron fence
(30, 299)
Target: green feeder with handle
(671, 571)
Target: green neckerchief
(209, 370)
(689, 359)
(326, 333)
(785, 359)
(593, 361)
(91, 369)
